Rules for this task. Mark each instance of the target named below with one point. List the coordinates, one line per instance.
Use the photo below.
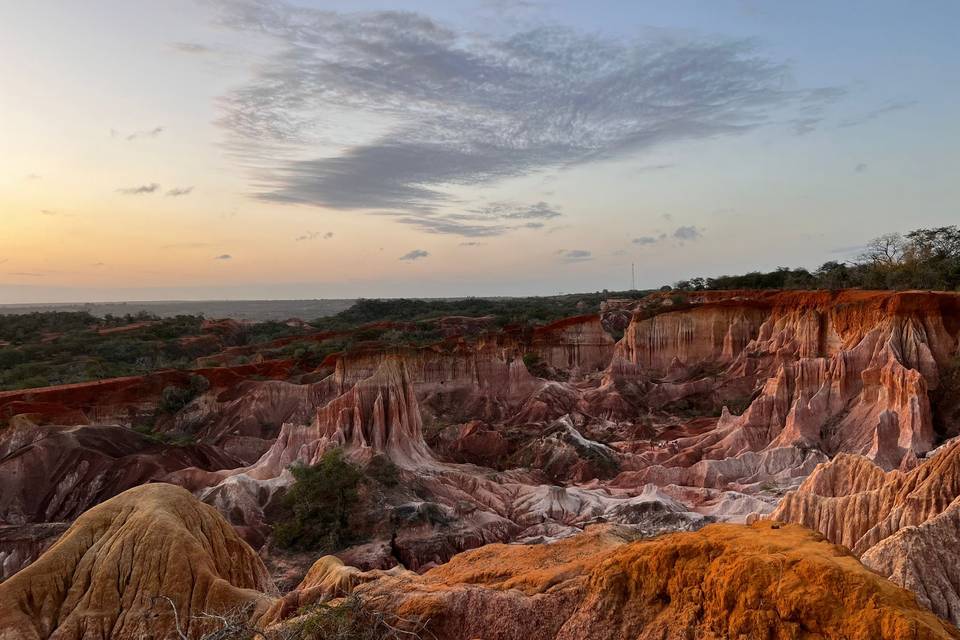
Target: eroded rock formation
(713, 406)
(835, 371)
(55, 473)
(124, 567)
(902, 524)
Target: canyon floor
(718, 464)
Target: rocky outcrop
(120, 400)
(700, 336)
(926, 560)
(576, 345)
(55, 473)
(854, 502)
(328, 578)
(902, 524)
(377, 415)
(725, 581)
(840, 372)
(22, 544)
(134, 567)
(245, 419)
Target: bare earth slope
(724, 581)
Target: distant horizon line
(9, 305)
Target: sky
(247, 149)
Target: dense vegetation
(530, 310)
(62, 347)
(920, 259)
(321, 506)
(320, 503)
(59, 348)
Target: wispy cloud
(492, 219)
(139, 191)
(647, 168)
(313, 235)
(803, 126)
(459, 109)
(225, 256)
(472, 243)
(860, 168)
(512, 211)
(136, 135)
(890, 107)
(683, 233)
(687, 233)
(54, 213)
(575, 255)
(449, 225)
(179, 191)
(416, 254)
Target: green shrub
(383, 471)
(352, 619)
(320, 503)
(173, 398)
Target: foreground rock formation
(725, 581)
(151, 562)
(124, 567)
(905, 526)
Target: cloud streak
(136, 135)
(313, 235)
(179, 191)
(683, 233)
(687, 233)
(575, 255)
(416, 254)
(141, 190)
(457, 110)
(868, 116)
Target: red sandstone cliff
(847, 371)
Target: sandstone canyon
(717, 464)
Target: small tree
(320, 503)
(173, 398)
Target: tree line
(920, 259)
